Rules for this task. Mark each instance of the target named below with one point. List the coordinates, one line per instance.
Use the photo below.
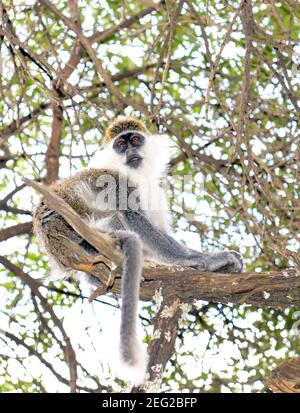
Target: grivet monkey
(121, 193)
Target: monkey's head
(127, 137)
(129, 148)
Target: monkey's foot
(226, 262)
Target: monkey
(113, 194)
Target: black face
(129, 144)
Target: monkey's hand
(224, 262)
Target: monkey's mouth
(134, 160)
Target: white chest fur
(147, 179)
(153, 201)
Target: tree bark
(161, 347)
(19, 229)
(285, 378)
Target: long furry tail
(133, 355)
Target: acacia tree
(222, 80)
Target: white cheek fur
(156, 153)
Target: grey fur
(168, 250)
(131, 275)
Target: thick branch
(53, 151)
(166, 325)
(278, 289)
(270, 289)
(285, 378)
(161, 347)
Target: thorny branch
(67, 346)
(258, 169)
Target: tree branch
(277, 289)
(53, 151)
(285, 378)
(34, 287)
(86, 43)
(161, 347)
(15, 126)
(19, 229)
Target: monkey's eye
(120, 143)
(135, 139)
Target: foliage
(222, 80)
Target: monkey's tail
(133, 355)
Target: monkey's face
(137, 155)
(129, 145)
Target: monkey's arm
(168, 250)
